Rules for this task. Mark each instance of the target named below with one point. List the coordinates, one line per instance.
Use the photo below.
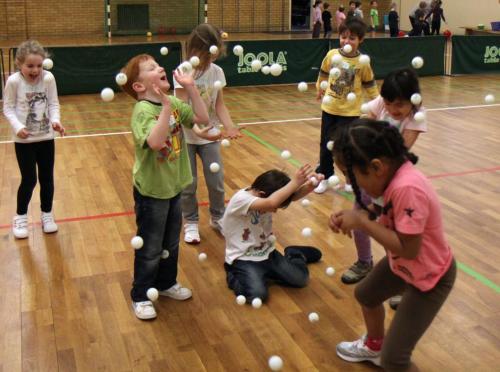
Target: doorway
(301, 15)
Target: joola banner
(475, 54)
(299, 60)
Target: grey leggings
(414, 315)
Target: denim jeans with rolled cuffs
(159, 224)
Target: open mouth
(164, 78)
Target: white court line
(269, 122)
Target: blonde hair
(199, 42)
(29, 47)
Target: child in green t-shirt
(374, 23)
(161, 171)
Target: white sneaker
(347, 188)
(216, 225)
(20, 226)
(144, 309)
(191, 233)
(322, 187)
(357, 351)
(48, 223)
(177, 292)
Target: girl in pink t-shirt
(419, 262)
(339, 16)
(395, 106)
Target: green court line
(461, 266)
(481, 278)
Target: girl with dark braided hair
(419, 262)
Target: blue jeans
(159, 224)
(250, 278)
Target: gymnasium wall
(458, 13)
(70, 18)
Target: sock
(374, 344)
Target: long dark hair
(199, 42)
(363, 140)
(400, 84)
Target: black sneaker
(310, 254)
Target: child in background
(358, 12)
(251, 257)
(395, 107)
(205, 75)
(353, 77)
(393, 21)
(326, 16)
(339, 16)
(437, 13)
(373, 17)
(419, 261)
(352, 10)
(317, 20)
(32, 108)
(161, 171)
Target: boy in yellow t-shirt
(346, 78)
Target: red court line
(455, 174)
(204, 204)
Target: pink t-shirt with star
(412, 207)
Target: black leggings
(29, 155)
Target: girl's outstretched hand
(302, 174)
(184, 79)
(233, 133)
(59, 128)
(347, 220)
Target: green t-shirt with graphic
(374, 15)
(165, 173)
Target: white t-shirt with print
(33, 107)
(246, 231)
(377, 108)
(205, 85)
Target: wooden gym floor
(65, 303)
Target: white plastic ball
(335, 72)
(266, 70)
(417, 62)
(275, 363)
(136, 242)
(336, 59)
(152, 294)
(330, 271)
(238, 50)
(489, 98)
(347, 48)
(217, 84)
(164, 51)
(313, 317)
(241, 300)
(276, 69)
(202, 257)
(314, 181)
(225, 143)
(323, 85)
(364, 59)
(272, 239)
(305, 203)
(333, 181)
(365, 108)
(302, 87)
(213, 49)
(329, 145)
(419, 117)
(194, 60)
(214, 167)
(256, 65)
(351, 97)
(416, 99)
(186, 67)
(256, 303)
(306, 232)
(165, 254)
(47, 63)
(327, 100)
(47, 78)
(107, 94)
(121, 78)
(285, 154)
